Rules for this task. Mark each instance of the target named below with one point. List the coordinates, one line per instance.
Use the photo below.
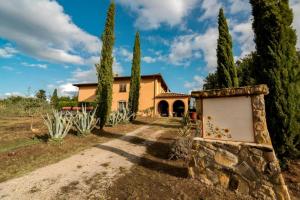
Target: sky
(47, 44)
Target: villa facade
(155, 96)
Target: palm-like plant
(58, 124)
(85, 121)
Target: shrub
(85, 121)
(23, 106)
(58, 124)
(120, 117)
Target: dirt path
(70, 177)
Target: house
(155, 96)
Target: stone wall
(248, 168)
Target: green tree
(276, 65)
(41, 94)
(245, 68)
(211, 81)
(226, 70)
(134, 93)
(104, 68)
(54, 99)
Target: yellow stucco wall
(150, 87)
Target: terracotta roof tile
(171, 94)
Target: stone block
(223, 180)
(225, 158)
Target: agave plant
(120, 117)
(85, 121)
(58, 124)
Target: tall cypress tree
(104, 69)
(226, 71)
(134, 93)
(54, 99)
(276, 65)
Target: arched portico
(178, 108)
(178, 104)
(163, 108)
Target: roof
(128, 77)
(171, 94)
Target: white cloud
(41, 29)
(124, 53)
(239, 6)
(7, 51)
(195, 84)
(210, 9)
(42, 66)
(151, 14)
(67, 90)
(148, 59)
(90, 75)
(13, 94)
(8, 68)
(186, 47)
(243, 34)
(295, 4)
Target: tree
(245, 68)
(276, 65)
(41, 94)
(134, 93)
(104, 69)
(54, 99)
(226, 70)
(211, 81)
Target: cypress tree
(226, 70)
(104, 69)
(276, 65)
(134, 93)
(54, 99)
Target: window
(122, 105)
(122, 87)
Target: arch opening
(163, 108)
(178, 108)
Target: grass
(22, 151)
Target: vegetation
(245, 71)
(211, 81)
(58, 125)
(41, 94)
(104, 69)
(276, 65)
(54, 99)
(226, 70)
(85, 121)
(23, 106)
(134, 93)
(120, 117)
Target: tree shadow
(148, 163)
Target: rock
(258, 163)
(223, 180)
(225, 158)
(239, 185)
(212, 176)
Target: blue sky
(52, 44)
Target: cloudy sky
(48, 44)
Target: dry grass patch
(21, 153)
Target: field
(151, 174)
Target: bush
(58, 124)
(70, 103)
(120, 117)
(85, 121)
(23, 106)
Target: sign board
(228, 118)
